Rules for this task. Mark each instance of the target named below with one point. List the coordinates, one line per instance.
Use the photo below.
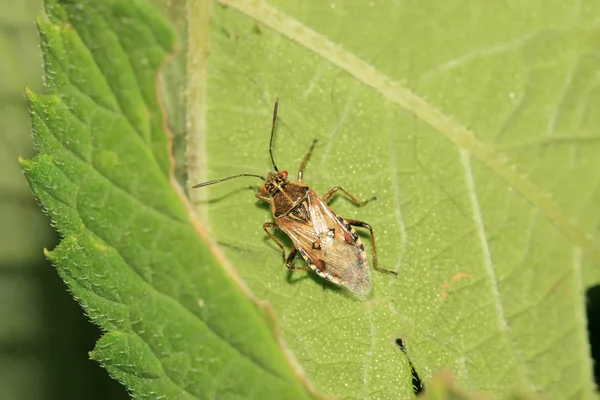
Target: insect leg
(290, 261)
(266, 198)
(277, 242)
(305, 160)
(361, 224)
(352, 198)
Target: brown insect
(328, 243)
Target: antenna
(226, 179)
(273, 131)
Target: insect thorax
(300, 213)
(289, 198)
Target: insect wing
(343, 251)
(330, 246)
(303, 236)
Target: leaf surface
(473, 125)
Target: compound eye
(284, 174)
(263, 190)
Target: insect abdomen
(343, 263)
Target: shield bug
(327, 242)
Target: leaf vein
(488, 263)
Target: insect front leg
(352, 198)
(290, 261)
(305, 160)
(277, 242)
(361, 224)
(266, 198)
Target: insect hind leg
(361, 224)
(290, 261)
(353, 199)
(305, 160)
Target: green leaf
(178, 322)
(474, 126)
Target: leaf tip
(27, 166)
(28, 92)
(49, 255)
(39, 22)
(31, 98)
(24, 163)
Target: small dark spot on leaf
(593, 318)
(416, 381)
